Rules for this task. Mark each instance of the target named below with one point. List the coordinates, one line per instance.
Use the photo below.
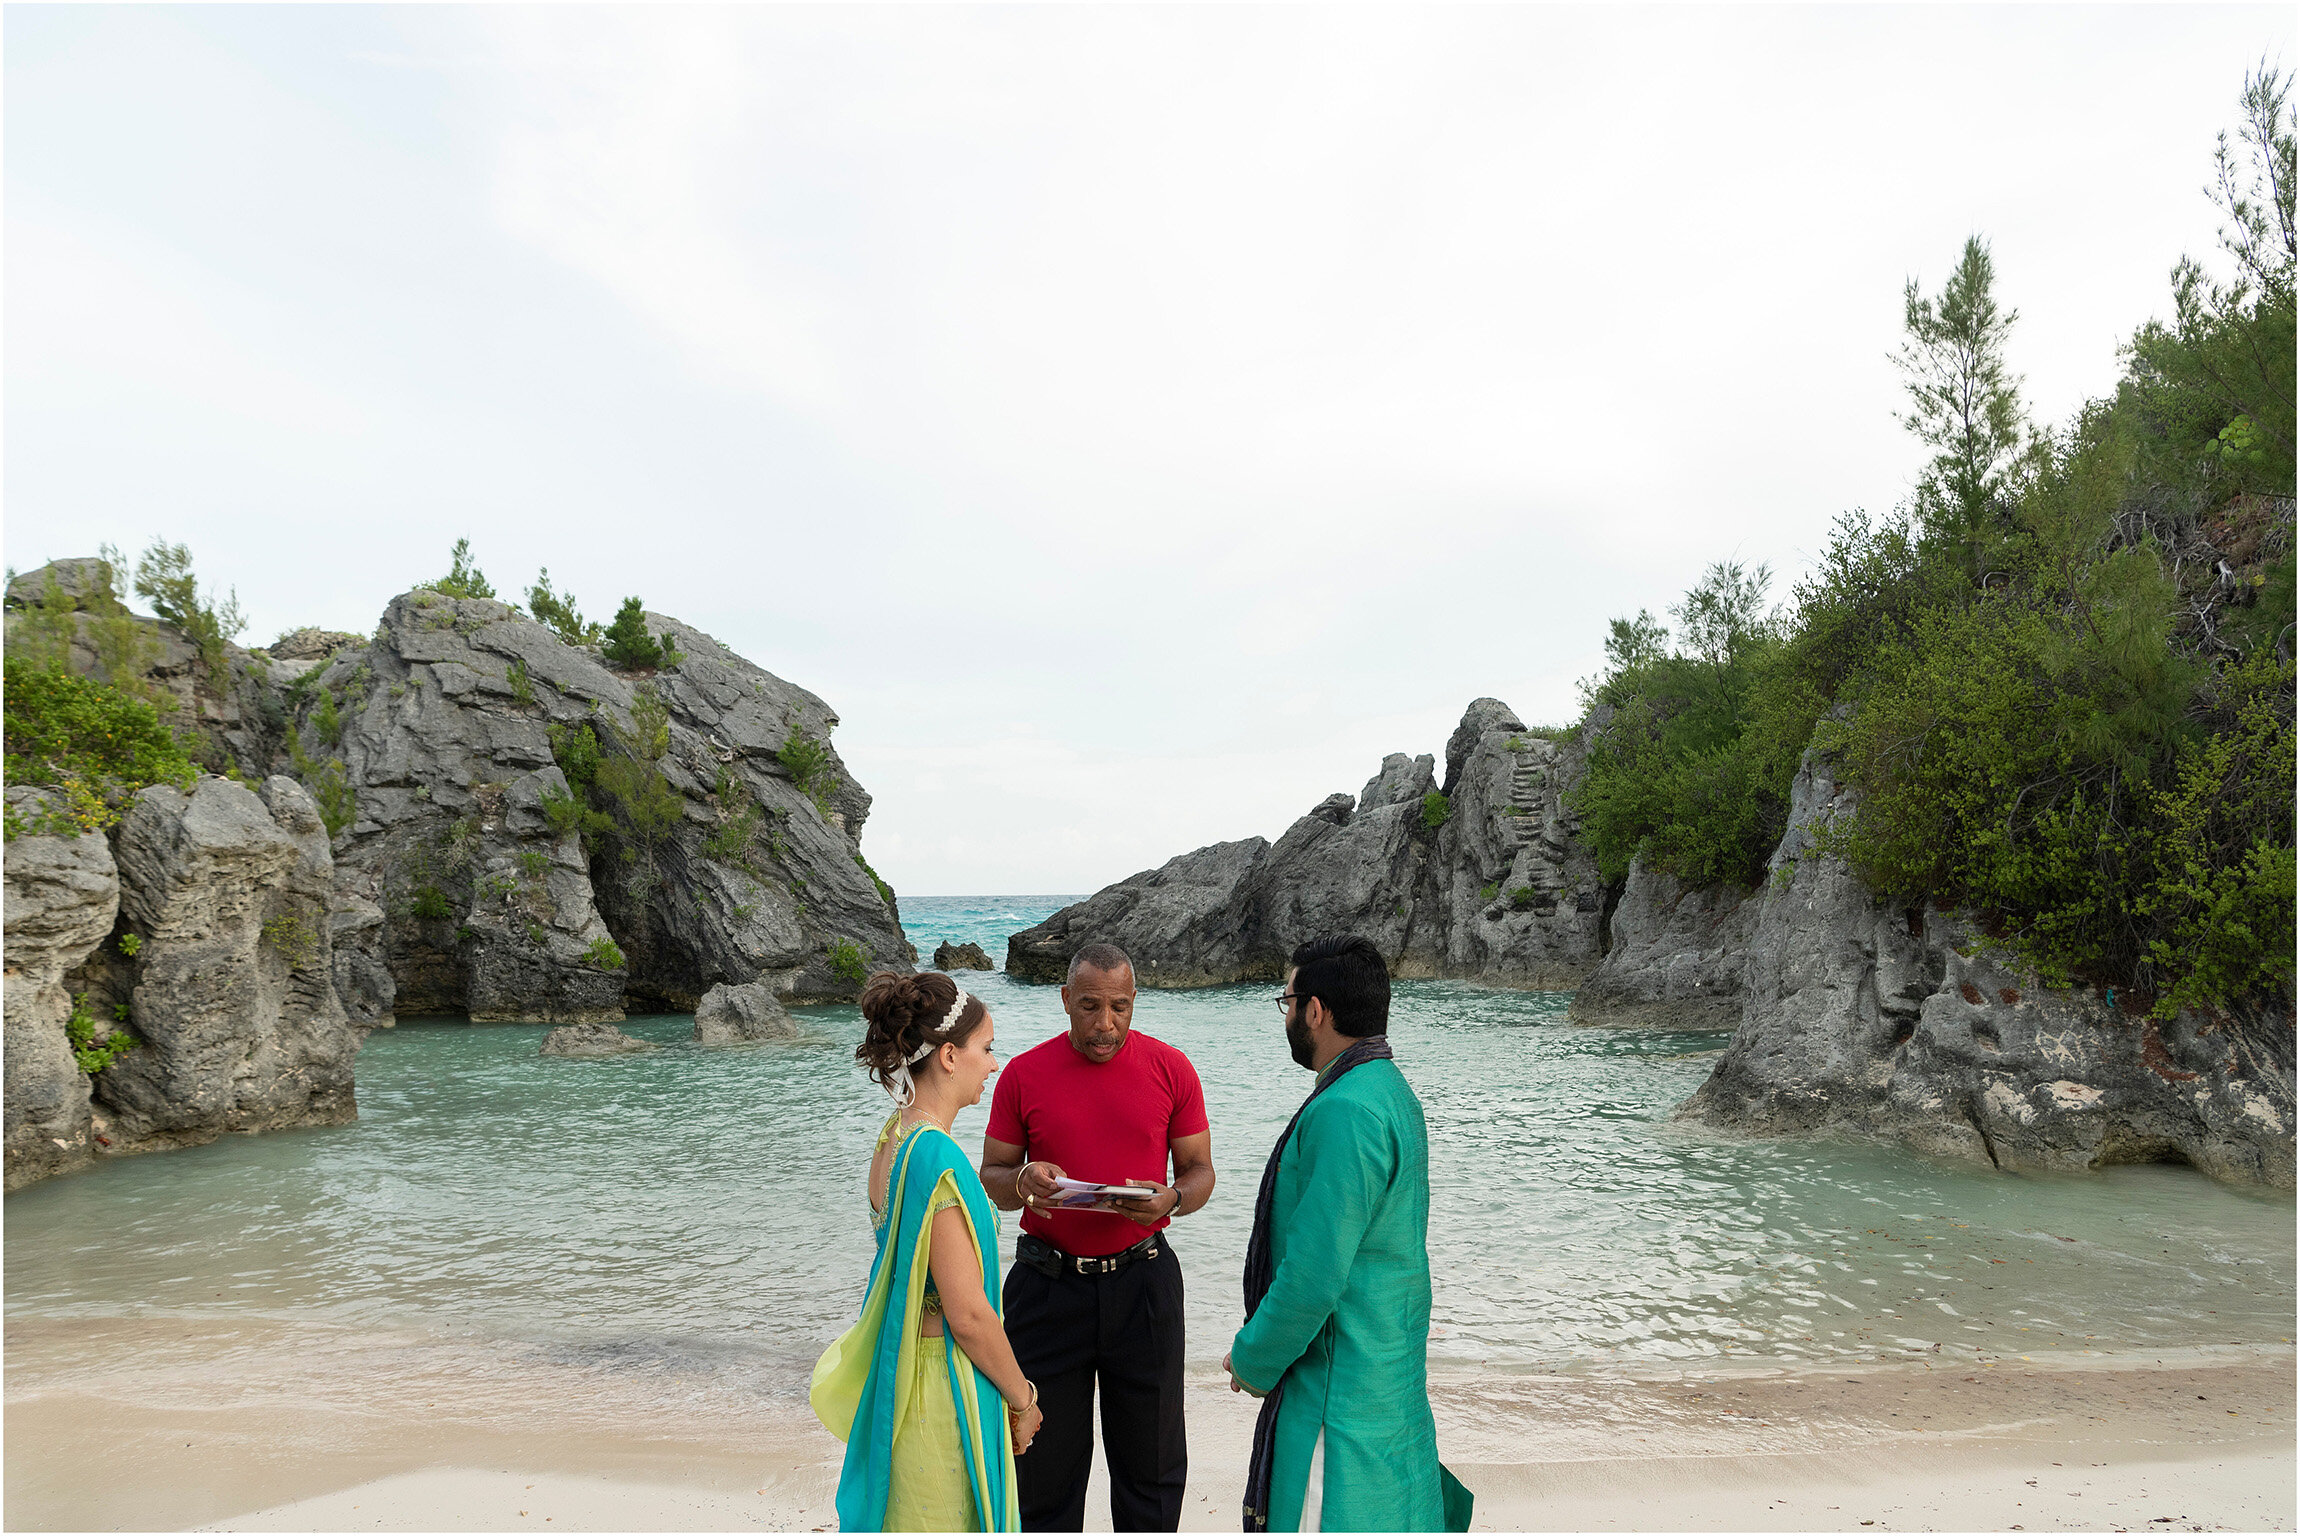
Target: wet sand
(160, 1425)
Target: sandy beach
(159, 1425)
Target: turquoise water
(705, 1205)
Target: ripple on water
(698, 1205)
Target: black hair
(1098, 957)
(1346, 973)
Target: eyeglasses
(1286, 997)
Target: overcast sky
(1133, 420)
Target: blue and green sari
(870, 1380)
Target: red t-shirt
(1108, 1122)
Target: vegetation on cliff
(91, 742)
(2062, 678)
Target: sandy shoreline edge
(2201, 1441)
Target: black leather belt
(1049, 1260)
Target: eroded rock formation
(1674, 958)
(232, 988)
(1861, 1017)
(491, 911)
(961, 957)
(737, 1014)
(592, 1040)
(63, 895)
(1481, 877)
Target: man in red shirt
(1095, 1291)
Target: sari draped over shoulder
(869, 1382)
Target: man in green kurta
(1336, 1340)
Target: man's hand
(1035, 1184)
(1237, 1385)
(1143, 1213)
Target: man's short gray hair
(1098, 957)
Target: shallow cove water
(698, 1213)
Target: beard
(1298, 1041)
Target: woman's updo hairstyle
(902, 1013)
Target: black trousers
(1125, 1329)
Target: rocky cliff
(719, 865)
(204, 936)
(1478, 876)
(482, 819)
(1857, 1016)
(63, 896)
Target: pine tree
(1966, 402)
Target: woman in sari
(931, 1431)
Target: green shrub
(643, 804)
(1488, 892)
(131, 944)
(1521, 898)
(522, 684)
(846, 960)
(288, 933)
(330, 788)
(463, 578)
(164, 577)
(808, 762)
(52, 623)
(1435, 809)
(576, 750)
(568, 814)
(628, 645)
(325, 718)
(92, 1055)
(603, 954)
(89, 740)
(650, 734)
(430, 902)
(537, 936)
(534, 863)
(558, 611)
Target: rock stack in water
(722, 868)
(1478, 877)
(960, 957)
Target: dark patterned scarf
(1258, 1276)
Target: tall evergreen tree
(1965, 401)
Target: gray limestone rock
(233, 991)
(1430, 894)
(63, 895)
(1182, 922)
(1676, 956)
(309, 644)
(447, 721)
(363, 982)
(732, 1014)
(1511, 895)
(586, 1040)
(1402, 780)
(77, 581)
(1863, 1018)
(961, 957)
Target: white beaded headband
(899, 1083)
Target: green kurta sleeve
(1348, 1159)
